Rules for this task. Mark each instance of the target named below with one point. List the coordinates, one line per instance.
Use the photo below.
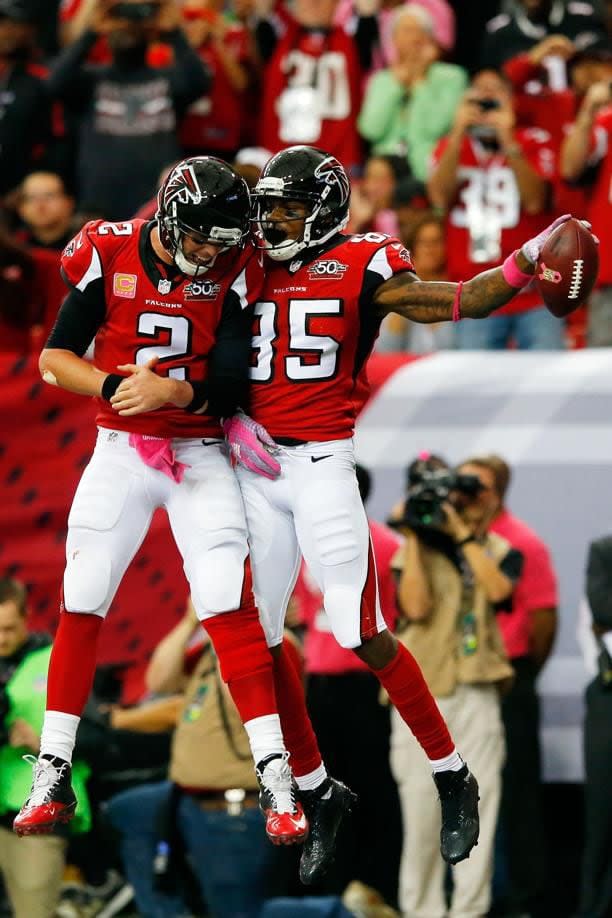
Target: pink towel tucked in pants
(157, 453)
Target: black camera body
(426, 494)
(136, 12)
(488, 105)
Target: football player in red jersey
(324, 297)
(166, 303)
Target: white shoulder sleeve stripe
(240, 288)
(379, 263)
(93, 272)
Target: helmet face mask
(202, 199)
(303, 175)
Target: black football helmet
(316, 179)
(202, 197)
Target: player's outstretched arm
(433, 301)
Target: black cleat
(458, 792)
(325, 808)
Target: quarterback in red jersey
(166, 303)
(324, 297)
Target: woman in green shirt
(410, 105)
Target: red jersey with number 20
(177, 320)
(315, 326)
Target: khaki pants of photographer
(32, 869)
(473, 717)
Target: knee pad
(220, 577)
(87, 581)
(343, 607)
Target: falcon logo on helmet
(204, 199)
(183, 185)
(331, 172)
(309, 176)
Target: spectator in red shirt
(528, 631)
(312, 84)
(427, 248)
(31, 291)
(353, 727)
(213, 124)
(494, 179)
(46, 211)
(586, 154)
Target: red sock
(245, 661)
(299, 736)
(73, 662)
(408, 691)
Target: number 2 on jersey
(177, 331)
(300, 340)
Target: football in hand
(567, 267)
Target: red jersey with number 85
(315, 326)
(177, 319)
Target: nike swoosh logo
(318, 458)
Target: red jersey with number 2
(176, 321)
(315, 326)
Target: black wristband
(470, 538)
(110, 385)
(200, 397)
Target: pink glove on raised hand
(247, 442)
(532, 248)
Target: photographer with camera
(31, 867)
(126, 111)
(493, 179)
(453, 577)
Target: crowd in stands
(488, 131)
(466, 127)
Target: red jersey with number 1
(315, 326)
(177, 320)
(486, 181)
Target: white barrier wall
(549, 414)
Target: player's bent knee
(219, 575)
(87, 581)
(342, 605)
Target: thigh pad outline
(99, 500)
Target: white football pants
(111, 514)
(314, 507)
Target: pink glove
(247, 442)
(532, 248)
